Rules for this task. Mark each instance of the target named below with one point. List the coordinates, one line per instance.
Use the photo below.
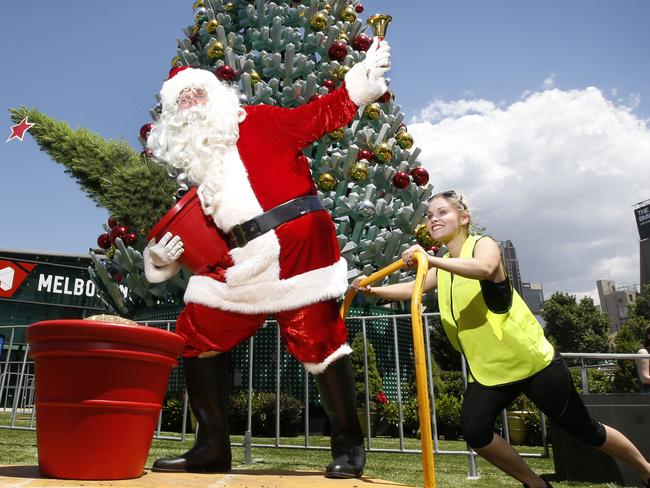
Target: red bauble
(401, 180)
(117, 277)
(145, 129)
(435, 249)
(361, 42)
(386, 97)
(225, 73)
(119, 231)
(358, 8)
(338, 50)
(112, 222)
(130, 238)
(420, 176)
(104, 241)
(329, 84)
(146, 154)
(315, 96)
(402, 128)
(365, 154)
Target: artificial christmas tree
(282, 53)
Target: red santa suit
(295, 271)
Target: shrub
(263, 411)
(375, 384)
(172, 418)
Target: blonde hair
(459, 201)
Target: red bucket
(204, 244)
(99, 391)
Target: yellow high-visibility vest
(500, 348)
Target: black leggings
(551, 389)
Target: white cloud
(556, 172)
(549, 82)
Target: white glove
(167, 251)
(377, 60)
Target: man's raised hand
(377, 60)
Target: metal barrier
(17, 393)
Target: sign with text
(642, 215)
(47, 283)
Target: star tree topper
(18, 131)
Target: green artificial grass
(19, 447)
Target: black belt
(241, 234)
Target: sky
(537, 111)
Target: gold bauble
(318, 22)
(196, 28)
(326, 182)
(372, 111)
(176, 61)
(340, 72)
(338, 134)
(423, 236)
(198, 4)
(348, 14)
(327, 7)
(404, 140)
(255, 77)
(211, 26)
(383, 153)
(358, 171)
(343, 37)
(229, 7)
(216, 51)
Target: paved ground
(28, 476)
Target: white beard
(196, 143)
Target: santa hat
(182, 77)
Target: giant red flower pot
(99, 391)
(203, 242)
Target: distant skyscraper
(533, 295)
(614, 301)
(642, 215)
(644, 250)
(509, 256)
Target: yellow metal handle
(424, 408)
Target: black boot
(339, 396)
(208, 386)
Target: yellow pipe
(424, 408)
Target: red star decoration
(18, 131)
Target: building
(642, 215)
(533, 295)
(509, 257)
(614, 301)
(644, 261)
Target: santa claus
(283, 257)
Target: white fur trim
(156, 274)
(270, 295)
(363, 90)
(198, 78)
(318, 368)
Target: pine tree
(279, 53)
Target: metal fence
(17, 390)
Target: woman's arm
(643, 367)
(398, 291)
